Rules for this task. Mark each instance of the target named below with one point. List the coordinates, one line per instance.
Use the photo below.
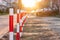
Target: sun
(38, 0)
(28, 3)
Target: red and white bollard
(18, 34)
(22, 20)
(11, 24)
(21, 25)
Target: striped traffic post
(18, 34)
(20, 24)
(24, 17)
(11, 24)
(22, 20)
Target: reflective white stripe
(11, 11)
(23, 18)
(11, 36)
(17, 27)
(23, 25)
(18, 11)
(21, 34)
(20, 24)
(21, 21)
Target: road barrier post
(11, 24)
(17, 34)
(20, 24)
(22, 20)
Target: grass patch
(3, 13)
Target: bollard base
(21, 34)
(17, 36)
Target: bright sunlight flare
(38, 0)
(29, 3)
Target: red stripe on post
(20, 15)
(23, 14)
(11, 23)
(24, 20)
(21, 28)
(17, 18)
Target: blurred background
(40, 8)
